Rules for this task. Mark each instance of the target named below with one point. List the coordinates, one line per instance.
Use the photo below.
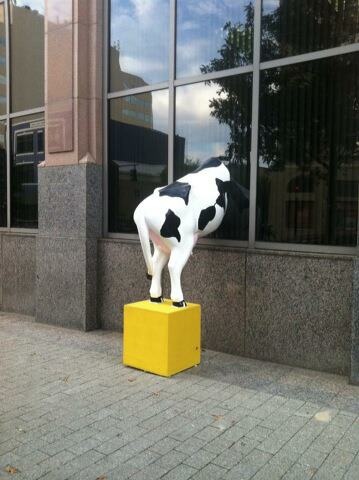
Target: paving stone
(200, 459)
(181, 472)
(214, 472)
(70, 411)
(300, 472)
(353, 472)
(312, 458)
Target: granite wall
(17, 273)
(283, 307)
(292, 308)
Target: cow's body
(174, 217)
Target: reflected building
(138, 151)
(27, 57)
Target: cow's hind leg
(178, 260)
(159, 260)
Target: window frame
(7, 118)
(255, 69)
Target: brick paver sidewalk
(70, 410)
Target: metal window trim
(310, 56)
(213, 75)
(255, 68)
(25, 113)
(30, 231)
(8, 137)
(105, 82)
(306, 248)
(137, 90)
(244, 245)
(171, 91)
(254, 123)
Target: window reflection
(206, 29)
(139, 43)
(308, 168)
(292, 27)
(219, 126)
(27, 54)
(3, 79)
(27, 152)
(3, 170)
(138, 154)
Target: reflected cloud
(198, 95)
(139, 30)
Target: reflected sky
(268, 6)
(203, 134)
(140, 30)
(38, 5)
(200, 32)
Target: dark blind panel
(3, 79)
(3, 170)
(293, 27)
(27, 152)
(308, 168)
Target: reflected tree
(309, 112)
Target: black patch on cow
(177, 189)
(206, 216)
(211, 162)
(221, 199)
(170, 227)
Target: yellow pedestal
(160, 338)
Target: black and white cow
(174, 217)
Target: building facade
(103, 101)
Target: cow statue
(174, 217)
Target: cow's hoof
(156, 299)
(179, 304)
(149, 277)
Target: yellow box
(160, 338)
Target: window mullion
(171, 90)
(254, 126)
(8, 138)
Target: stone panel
(213, 278)
(18, 273)
(64, 295)
(70, 201)
(299, 310)
(121, 279)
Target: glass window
(292, 27)
(138, 154)
(3, 170)
(3, 78)
(25, 157)
(24, 143)
(27, 54)
(206, 29)
(213, 119)
(308, 167)
(139, 42)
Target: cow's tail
(143, 233)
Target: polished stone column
(70, 178)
